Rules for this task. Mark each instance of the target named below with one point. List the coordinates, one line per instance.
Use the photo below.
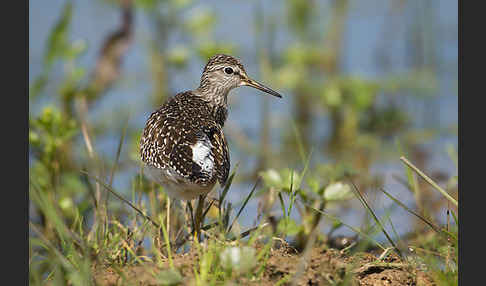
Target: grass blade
(292, 195)
(226, 189)
(244, 204)
(282, 204)
(375, 218)
(122, 199)
(455, 217)
(205, 212)
(429, 180)
(298, 138)
(335, 219)
(118, 152)
(429, 223)
(249, 231)
(167, 245)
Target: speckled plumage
(183, 145)
(171, 131)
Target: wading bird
(183, 146)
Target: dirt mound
(284, 266)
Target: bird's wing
(206, 155)
(221, 154)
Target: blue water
(363, 37)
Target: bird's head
(223, 73)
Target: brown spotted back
(172, 131)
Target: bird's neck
(213, 90)
(217, 102)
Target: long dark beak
(257, 85)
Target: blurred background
(363, 83)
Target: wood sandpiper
(183, 146)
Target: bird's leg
(191, 212)
(199, 218)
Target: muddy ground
(323, 267)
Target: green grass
(66, 252)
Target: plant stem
(428, 180)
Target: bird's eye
(228, 70)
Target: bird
(183, 147)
